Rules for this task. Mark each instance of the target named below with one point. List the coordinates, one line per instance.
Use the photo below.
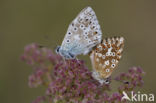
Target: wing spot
(113, 60)
(75, 29)
(103, 56)
(68, 41)
(113, 65)
(100, 47)
(107, 62)
(89, 41)
(107, 54)
(107, 70)
(99, 54)
(86, 33)
(86, 37)
(113, 54)
(81, 26)
(69, 33)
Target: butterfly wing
(83, 33)
(106, 55)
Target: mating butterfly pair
(84, 36)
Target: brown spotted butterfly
(105, 57)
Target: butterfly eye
(57, 49)
(107, 81)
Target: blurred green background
(45, 22)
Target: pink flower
(71, 81)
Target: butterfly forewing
(83, 33)
(106, 55)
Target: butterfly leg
(78, 61)
(64, 60)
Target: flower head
(70, 81)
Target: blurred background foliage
(45, 22)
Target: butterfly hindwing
(106, 55)
(83, 33)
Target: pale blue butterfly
(82, 35)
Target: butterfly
(82, 35)
(105, 57)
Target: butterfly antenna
(47, 38)
(42, 46)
